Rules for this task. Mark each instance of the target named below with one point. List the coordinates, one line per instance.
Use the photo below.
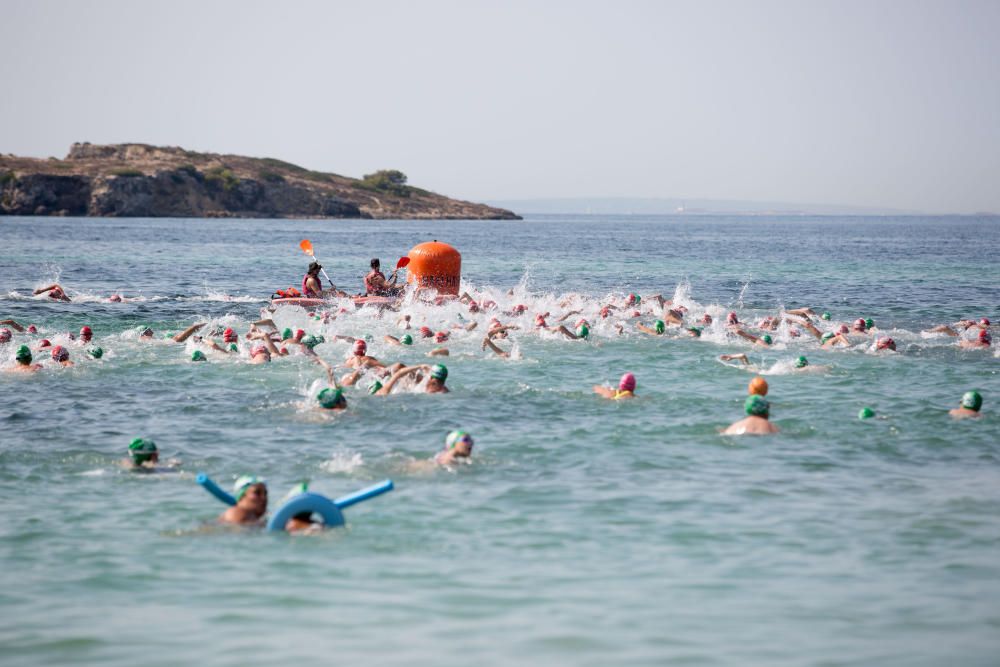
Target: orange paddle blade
(403, 261)
(307, 246)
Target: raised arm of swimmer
(396, 377)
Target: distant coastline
(139, 180)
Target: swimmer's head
(767, 338)
(985, 322)
(632, 300)
(843, 329)
(86, 334)
(825, 316)
(660, 326)
(332, 399)
(694, 331)
(259, 349)
(233, 347)
(520, 308)
(972, 400)
(360, 348)
(859, 325)
(148, 333)
(706, 319)
(32, 328)
(286, 333)
(885, 344)
(310, 341)
(801, 362)
(439, 372)
(299, 334)
(115, 298)
(732, 319)
(627, 383)
(23, 355)
(141, 450)
(869, 323)
(757, 387)
(96, 352)
(251, 484)
(582, 331)
(757, 406)
(229, 336)
(60, 353)
(605, 311)
(374, 387)
(407, 339)
(460, 442)
(5, 335)
(540, 321)
(440, 336)
(44, 343)
(426, 332)
(866, 413)
(984, 337)
(473, 307)
(198, 355)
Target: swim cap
(706, 319)
(148, 333)
(360, 347)
(32, 328)
(287, 333)
(766, 338)
(984, 336)
(520, 308)
(141, 450)
(259, 349)
(539, 321)
(374, 387)
(866, 413)
(23, 355)
(843, 329)
(985, 322)
(233, 347)
(310, 341)
(60, 353)
(695, 331)
(299, 333)
(198, 355)
(859, 324)
(456, 437)
(426, 332)
(407, 339)
(827, 336)
(473, 307)
(44, 343)
(825, 316)
(297, 490)
(632, 299)
(331, 398)
(605, 311)
(439, 372)
(243, 483)
(5, 335)
(972, 400)
(885, 344)
(757, 387)
(801, 362)
(660, 326)
(756, 406)
(869, 323)
(582, 331)
(115, 298)
(86, 333)
(580, 322)
(627, 383)
(731, 318)
(440, 337)
(96, 352)
(229, 335)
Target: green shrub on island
(127, 173)
(7, 177)
(221, 177)
(386, 180)
(270, 176)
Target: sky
(874, 103)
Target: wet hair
(374, 263)
(314, 267)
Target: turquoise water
(585, 532)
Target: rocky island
(138, 180)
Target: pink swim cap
(32, 328)
(440, 336)
(114, 298)
(843, 329)
(426, 332)
(44, 343)
(5, 335)
(731, 318)
(885, 344)
(631, 299)
(859, 324)
(520, 308)
(706, 319)
(59, 353)
(473, 307)
(360, 347)
(259, 349)
(539, 321)
(985, 322)
(627, 383)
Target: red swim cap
(885, 344)
(45, 343)
(426, 332)
(706, 319)
(627, 383)
(520, 308)
(631, 299)
(473, 307)
(86, 333)
(360, 347)
(5, 335)
(229, 335)
(843, 329)
(859, 324)
(984, 336)
(59, 353)
(580, 322)
(539, 321)
(985, 322)
(731, 318)
(32, 328)
(441, 336)
(299, 333)
(605, 311)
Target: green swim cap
(167, 336)
(243, 483)
(439, 372)
(198, 355)
(374, 387)
(638, 300)
(320, 339)
(972, 400)
(696, 331)
(660, 326)
(825, 316)
(407, 339)
(96, 352)
(310, 341)
(300, 488)
(369, 338)
(287, 333)
(766, 338)
(869, 323)
(827, 336)
(233, 347)
(801, 362)
(757, 406)
(331, 398)
(141, 450)
(23, 355)
(866, 413)
(452, 439)
(582, 331)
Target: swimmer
(13, 325)
(442, 336)
(143, 457)
(425, 332)
(742, 358)
(251, 503)
(332, 399)
(61, 356)
(802, 312)
(404, 322)
(406, 339)
(972, 401)
(582, 332)
(86, 334)
(626, 389)
(439, 352)
(859, 326)
(5, 336)
(457, 446)
(184, 335)
(23, 359)
(885, 344)
(659, 326)
(693, 332)
(488, 342)
(831, 339)
(764, 340)
(758, 410)
(43, 343)
(983, 340)
(55, 291)
(807, 325)
(360, 359)
(435, 384)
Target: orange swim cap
(758, 386)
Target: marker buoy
(437, 265)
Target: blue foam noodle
(306, 502)
(364, 494)
(213, 488)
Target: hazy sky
(868, 103)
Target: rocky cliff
(137, 180)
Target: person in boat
(376, 284)
(312, 286)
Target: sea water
(585, 531)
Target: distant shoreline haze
(678, 206)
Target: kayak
(359, 301)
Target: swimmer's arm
(184, 335)
(742, 358)
(215, 346)
(802, 312)
(658, 298)
(275, 352)
(806, 324)
(644, 329)
(604, 391)
(493, 346)
(13, 325)
(326, 367)
(265, 323)
(568, 315)
(439, 352)
(673, 316)
(396, 377)
(42, 290)
(391, 339)
(743, 334)
(350, 379)
(372, 362)
(566, 332)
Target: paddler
(312, 287)
(375, 282)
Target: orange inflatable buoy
(435, 265)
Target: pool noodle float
(330, 510)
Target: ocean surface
(585, 531)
